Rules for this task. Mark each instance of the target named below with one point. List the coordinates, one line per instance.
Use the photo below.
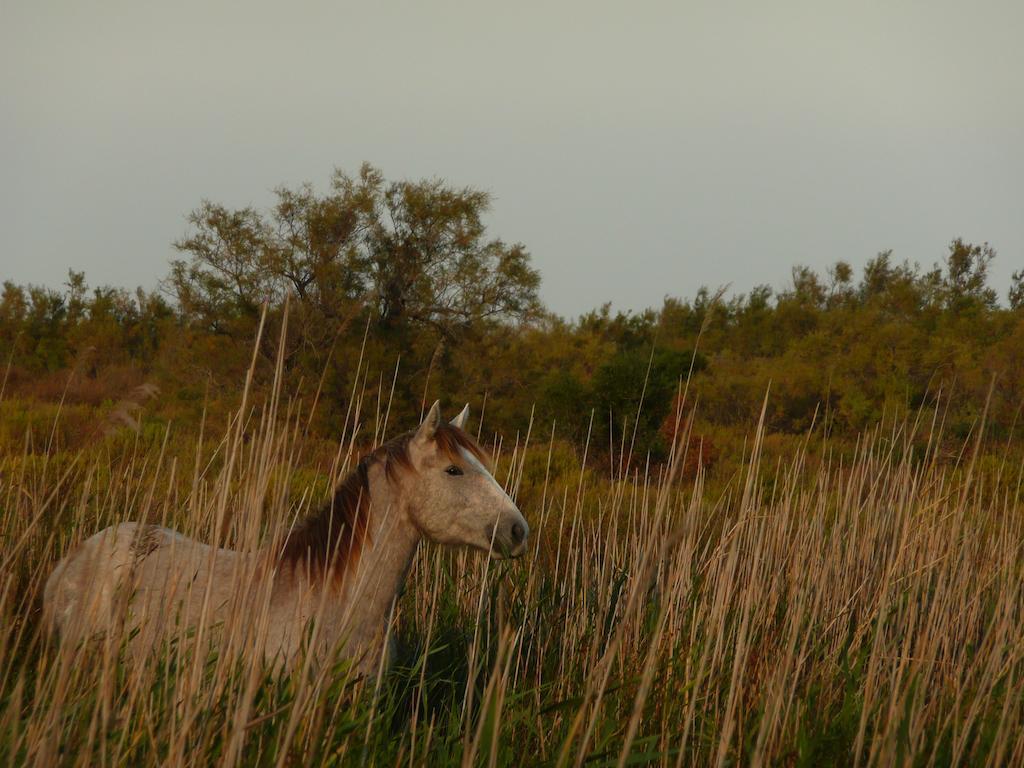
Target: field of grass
(860, 606)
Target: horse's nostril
(518, 533)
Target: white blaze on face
(507, 527)
(474, 462)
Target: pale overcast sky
(638, 149)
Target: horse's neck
(358, 607)
(376, 578)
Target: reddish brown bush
(699, 452)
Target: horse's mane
(333, 537)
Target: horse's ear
(463, 417)
(430, 423)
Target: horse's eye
(453, 471)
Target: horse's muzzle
(510, 539)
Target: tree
(1016, 294)
(229, 274)
(432, 264)
(807, 288)
(632, 394)
(45, 327)
(416, 252)
(966, 281)
(878, 273)
(13, 311)
(840, 278)
(317, 248)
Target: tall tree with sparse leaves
(416, 253)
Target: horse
(329, 589)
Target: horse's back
(150, 566)
(80, 594)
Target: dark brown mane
(333, 537)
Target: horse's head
(455, 500)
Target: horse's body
(331, 587)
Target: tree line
(403, 276)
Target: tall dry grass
(863, 611)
